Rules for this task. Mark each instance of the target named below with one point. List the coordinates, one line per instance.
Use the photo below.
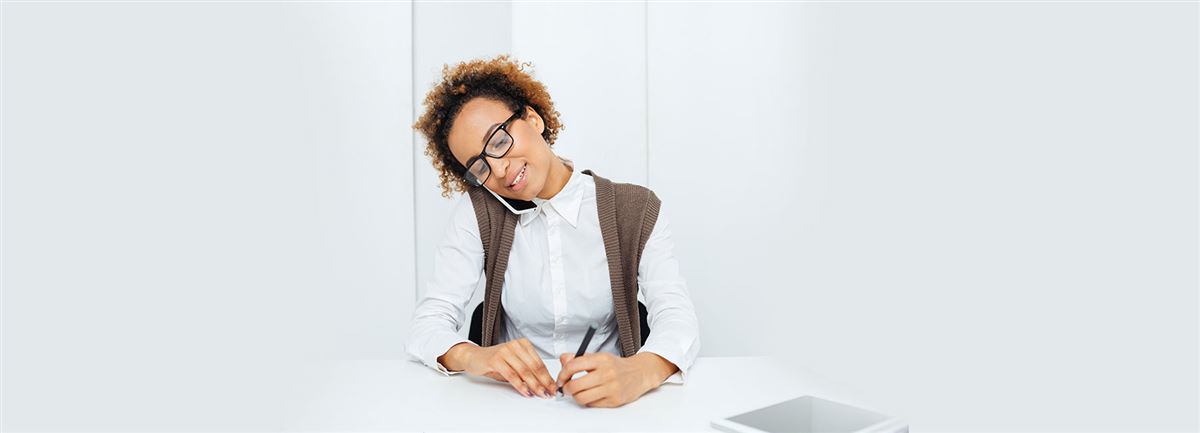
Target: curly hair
(501, 79)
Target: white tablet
(809, 414)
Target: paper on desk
(553, 367)
(565, 400)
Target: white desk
(408, 396)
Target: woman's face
(530, 152)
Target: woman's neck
(556, 179)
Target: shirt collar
(566, 202)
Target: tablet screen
(809, 415)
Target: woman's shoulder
(621, 187)
(462, 214)
(632, 191)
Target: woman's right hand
(515, 362)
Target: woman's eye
(499, 143)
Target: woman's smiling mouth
(519, 181)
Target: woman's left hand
(611, 380)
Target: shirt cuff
(675, 377)
(441, 368)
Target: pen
(587, 338)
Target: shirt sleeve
(674, 330)
(441, 309)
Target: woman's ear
(535, 119)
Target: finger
(539, 368)
(563, 360)
(511, 376)
(523, 369)
(569, 367)
(547, 380)
(587, 362)
(582, 383)
(591, 395)
(528, 368)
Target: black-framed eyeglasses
(498, 143)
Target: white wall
(194, 197)
(591, 57)
(980, 215)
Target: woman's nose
(499, 167)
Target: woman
(490, 127)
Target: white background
(982, 212)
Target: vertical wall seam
(412, 54)
(646, 79)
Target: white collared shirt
(556, 283)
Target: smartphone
(516, 206)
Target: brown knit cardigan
(627, 215)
